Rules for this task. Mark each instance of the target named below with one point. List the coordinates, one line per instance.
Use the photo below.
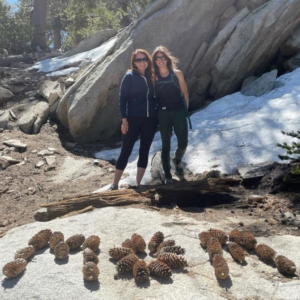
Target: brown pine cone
(90, 271)
(285, 265)
(172, 249)
(204, 237)
(75, 241)
(160, 269)
(92, 242)
(25, 253)
(236, 251)
(248, 240)
(119, 252)
(126, 263)
(89, 255)
(221, 267)
(265, 252)
(41, 239)
(235, 236)
(214, 247)
(220, 235)
(61, 250)
(138, 242)
(155, 241)
(172, 260)
(164, 244)
(140, 271)
(55, 238)
(14, 268)
(129, 244)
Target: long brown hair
(171, 60)
(149, 72)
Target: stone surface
(292, 45)
(5, 95)
(259, 170)
(4, 119)
(15, 143)
(292, 63)
(52, 90)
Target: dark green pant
(169, 120)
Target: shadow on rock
(10, 283)
(225, 283)
(92, 285)
(61, 261)
(162, 280)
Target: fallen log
(204, 192)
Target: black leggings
(139, 126)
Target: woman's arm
(183, 86)
(123, 99)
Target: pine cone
(55, 238)
(160, 269)
(265, 252)
(285, 265)
(164, 244)
(89, 255)
(129, 244)
(214, 247)
(75, 241)
(41, 239)
(248, 240)
(172, 260)
(25, 253)
(92, 242)
(61, 250)
(221, 267)
(90, 271)
(138, 242)
(14, 268)
(119, 252)
(204, 237)
(155, 241)
(172, 249)
(126, 263)
(235, 236)
(220, 235)
(140, 271)
(236, 251)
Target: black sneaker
(112, 188)
(178, 167)
(168, 181)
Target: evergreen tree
(293, 149)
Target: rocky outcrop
(221, 43)
(292, 45)
(5, 95)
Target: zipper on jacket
(147, 95)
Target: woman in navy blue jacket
(139, 114)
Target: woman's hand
(124, 126)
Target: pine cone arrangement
(221, 267)
(248, 240)
(204, 237)
(285, 265)
(159, 269)
(89, 255)
(164, 244)
(55, 238)
(74, 242)
(236, 251)
(140, 271)
(265, 252)
(138, 242)
(92, 242)
(155, 241)
(90, 271)
(119, 252)
(14, 268)
(25, 253)
(41, 239)
(220, 235)
(61, 250)
(214, 247)
(126, 263)
(235, 236)
(129, 244)
(172, 249)
(173, 260)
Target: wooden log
(77, 212)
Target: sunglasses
(139, 60)
(160, 58)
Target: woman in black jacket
(139, 114)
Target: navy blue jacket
(136, 97)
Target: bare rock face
(221, 43)
(292, 45)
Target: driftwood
(211, 191)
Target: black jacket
(136, 96)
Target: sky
(231, 132)
(11, 1)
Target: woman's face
(141, 62)
(160, 60)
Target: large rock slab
(292, 45)
(5, 95)
(47, 278)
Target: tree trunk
(38, 20)
(56, 33)
(124, 6)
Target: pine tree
(293, 149)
